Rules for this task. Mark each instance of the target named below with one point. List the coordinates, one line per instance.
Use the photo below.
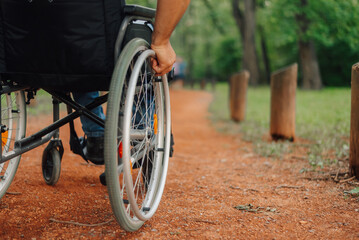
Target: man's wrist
(160, 45)
(159, 41)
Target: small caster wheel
(51, 165)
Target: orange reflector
(131, 167)
(155, 123)
(120, 150)
(4, 136)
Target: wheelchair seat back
(59, 44)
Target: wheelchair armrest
(140, 11)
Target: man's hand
(165, 58)
(168, 14)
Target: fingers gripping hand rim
(165, 58)
(159, 70)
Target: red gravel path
(210, 174)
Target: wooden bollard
(213, 83)
(354, 123)
(238, 95)
(283, 90)
(177, 84)
(203, 84)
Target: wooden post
(238, 95)
(177, 84)
(283, 90)
(354, 123)
(213, 84)
(203, 84)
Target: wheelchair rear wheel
(136, 155)
(13, 125)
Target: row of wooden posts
(283, 89)
(282, 106)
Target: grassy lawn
(322, 118)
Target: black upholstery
(59, 44)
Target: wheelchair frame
(75, 110)
(132, 12)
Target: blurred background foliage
(209, 40)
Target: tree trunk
(203, 84)
(189, 44)
(307, 53)
(354, 124)
(238, 17)
(265, 56)
(283, 91)
(208, 66)
(310, 66)
(247, 26)
(250, 58)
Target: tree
(261, 4)
(307, 53)
(207, 26)
(336, 33)
(227, 56)
(289, 26)
(246, 23)
(286, 28)
(325, 28)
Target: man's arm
(169, 12)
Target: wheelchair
(137, 137)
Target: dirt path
(209, 176)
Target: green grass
(322, 117)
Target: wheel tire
(118, 185)
(51, 166)
(13, 119)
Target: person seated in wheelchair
(168, 15)
(73, 50)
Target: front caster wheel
(51, 165)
